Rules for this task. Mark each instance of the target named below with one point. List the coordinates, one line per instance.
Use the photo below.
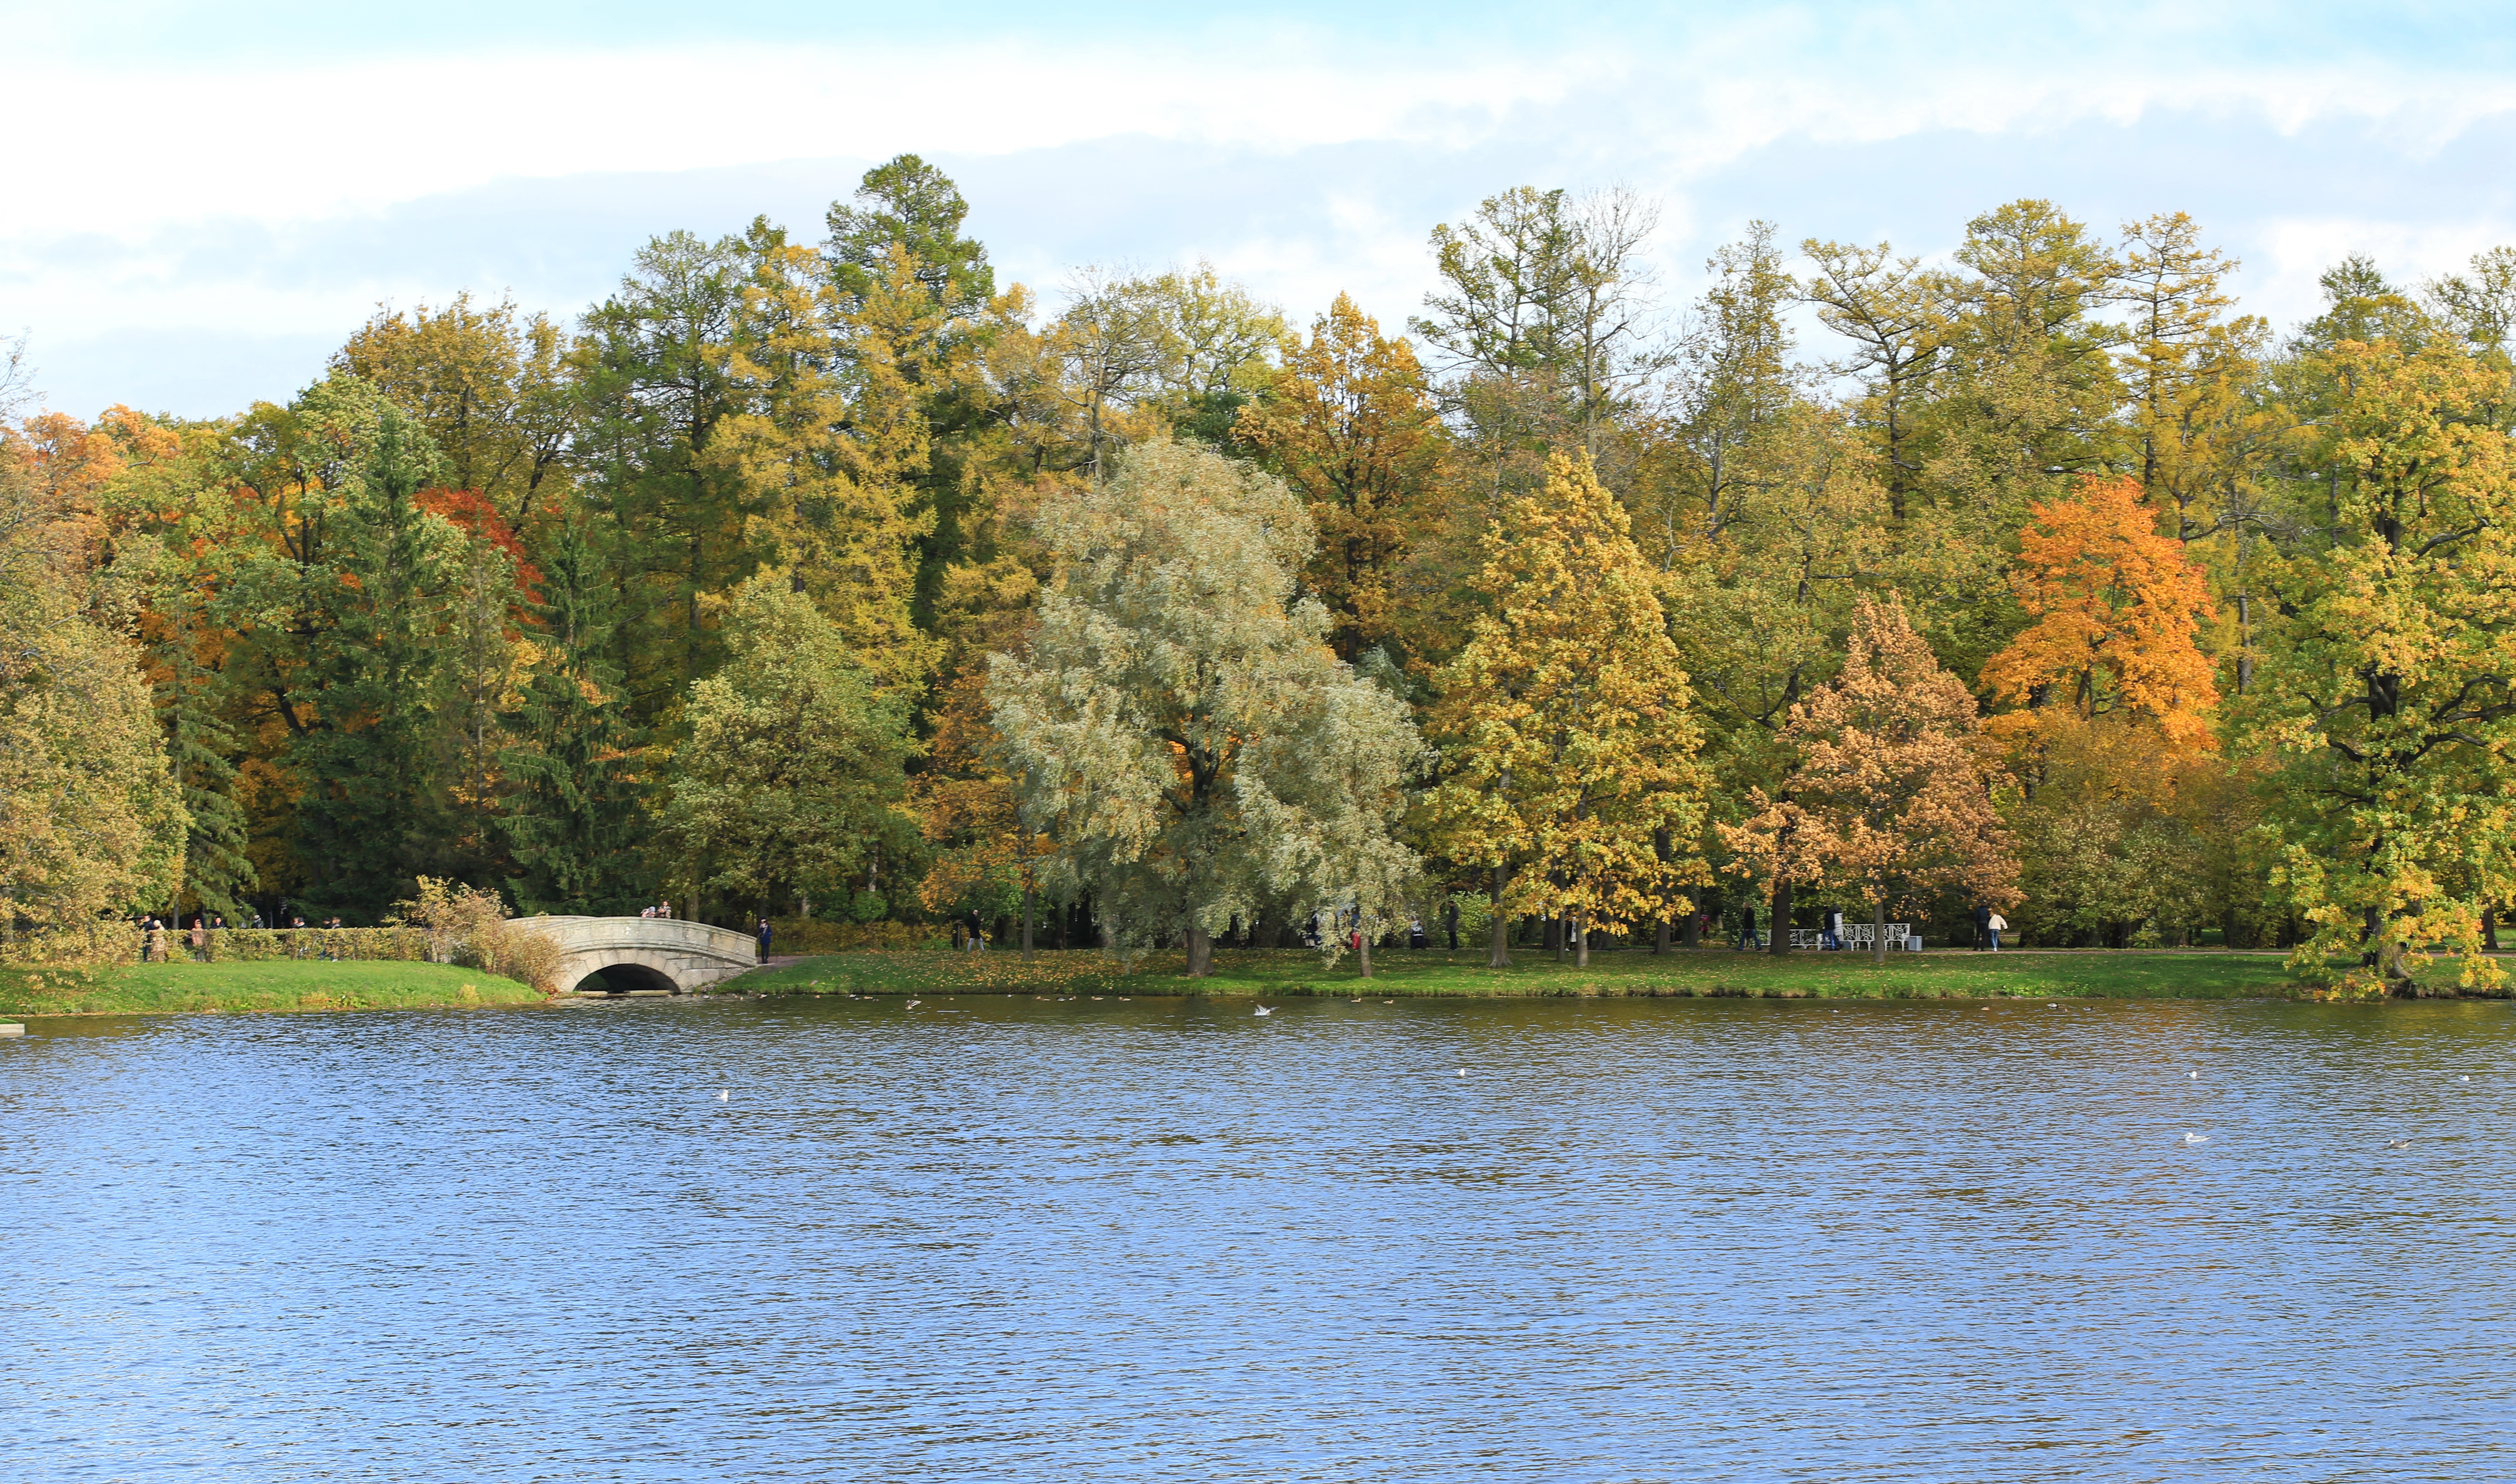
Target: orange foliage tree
(968, 810)
(1351, 426)
(2118, 610)
(1891, 795)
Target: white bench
(1900, 935)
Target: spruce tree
(579, 807)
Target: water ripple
(1169, 1241)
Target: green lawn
(148, 989)
(2204, 974)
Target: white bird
(2467, 1078)
(1264, 1010)
(914, 1003)
(1463, 1071)
(2196, 1138)
(2191, 1074)
(722, 1096)
(2398, 1143)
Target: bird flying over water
(1264, 1010)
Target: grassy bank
(146, 989)
(2204, 974)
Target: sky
(205, 199)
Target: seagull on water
(2398, 1143)
(2196, 1138)
(722, 1096)
(1264, 1010)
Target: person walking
(766, 933)
(1450, 925)
(1834, 929)
(1996, 924)
(1982, 927)
(200, 940)
(1415, 932)
(154, 950)
(1747, 930)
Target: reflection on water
(1171, 1239)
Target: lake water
(1169, 1240)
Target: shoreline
(1949, 975)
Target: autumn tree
(92, 821)
(1891, 795)
(828, 465)
(1177, 722)
(493, 387)
(1568, 752)
(1551, 293)
(1891, 310)
(985, 859)
(2385, 679)
(2118, 611)
(1349, 424)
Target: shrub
(819, 935)
(470, 926)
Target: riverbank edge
(2059, 974)
(1372, 989)
(287, 988)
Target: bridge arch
(601, 953)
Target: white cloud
(287, 199)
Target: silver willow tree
(1179, 724)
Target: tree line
(833, 577)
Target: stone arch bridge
(672, 954)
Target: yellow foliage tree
(1351, 428)
(1569, 747)
(2387, 679)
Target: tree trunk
(1498, 945)
(1581, 944)
(1689, 933)
(1030, 920)
(1363, 937)
(1555, 935)
(2490, 929)
(1878, 927)
(1781, 943)
(1200, 951)
(1660, 848)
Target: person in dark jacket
(1746, 929)
(1982, 927)
(766, 933)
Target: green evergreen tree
(370, 821)
(579, 809)
(199, 747)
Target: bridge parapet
(652, 952)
